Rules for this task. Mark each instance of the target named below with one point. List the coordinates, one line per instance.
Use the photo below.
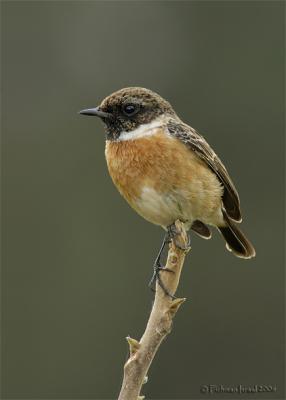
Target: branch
(159, 323)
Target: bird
(167, 171)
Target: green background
(76, 258)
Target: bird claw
(173, 234)
(156, 277)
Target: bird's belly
(161, 208)
(188, 204)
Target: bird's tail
(236, 242)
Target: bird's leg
(171, 234)
(157, 264)
(158, 267)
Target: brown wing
(198, 144)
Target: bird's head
(128, 109)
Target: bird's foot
(173, 235)
(157, 278)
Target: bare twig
(159, 323)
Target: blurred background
(76, 258)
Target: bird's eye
(130, 109)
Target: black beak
(95, 112)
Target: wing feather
(198, 144)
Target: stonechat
(166, 170)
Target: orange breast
(157, 161)
(162, 179)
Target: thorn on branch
(174, 306)
(134, 345)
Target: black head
(127, 109)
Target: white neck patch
(142, 131)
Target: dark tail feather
(235, 240)
(201, 229)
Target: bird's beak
(95, 112)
